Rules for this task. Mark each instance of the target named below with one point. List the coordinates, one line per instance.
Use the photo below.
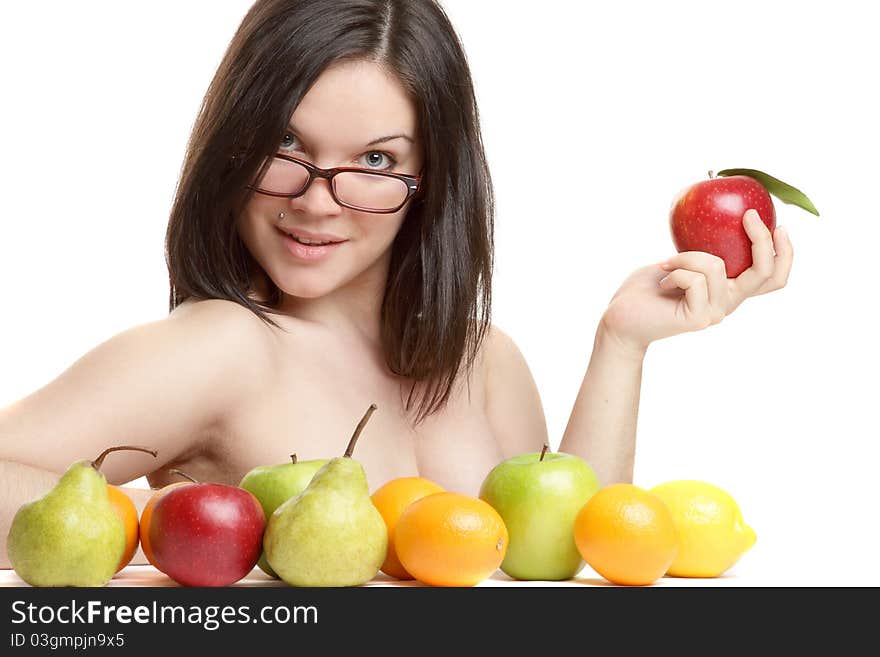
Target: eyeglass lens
(364, 190)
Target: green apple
(273, 485)
(538, 495)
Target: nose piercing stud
(281, 215)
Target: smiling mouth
(310, 242)
(307, 242)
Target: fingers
(714, 275)
(781, 263)
(709, 295)
(698, 314)
(763, 257)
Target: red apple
(707, 216)
(207, 534)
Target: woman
(329, 247)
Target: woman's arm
(689, 292)
(602, 426)
(165, 385)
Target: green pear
(331, 534)
(273, 485)
(72, 536)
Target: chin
(302, 290)
(312, 286)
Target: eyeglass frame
(413, 183)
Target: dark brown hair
(437, 300)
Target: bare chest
(311, 405)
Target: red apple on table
(707, 216)
(207, 534)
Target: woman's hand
(691, 291)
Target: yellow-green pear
(331, 534)
(273, 485)
(72, 536)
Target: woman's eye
(287, 142)
(379, 160)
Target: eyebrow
(380, 140)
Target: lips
(309, 252)
(312, 239)
(314, 243)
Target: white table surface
(133, 576)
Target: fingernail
(752, 215)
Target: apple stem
(293, 458)
(96, 464)
(184, 475)
(544, 451)
(357, 432)
(711, 174)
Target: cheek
(258, 208)
(387, 226)
(255, 231)
(377, 240)
(246, 229)
(261, 209)
(392, 228)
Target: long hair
(437, 302)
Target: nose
(317, 200)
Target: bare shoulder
(221, 310)
(225, 320)
(167, 384)
(499, 356)
(512, 402)
(237, 336)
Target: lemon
(711, 533)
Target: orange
(449, 539)
(127, 512)
(147, 515)
(391, 499)
(626, 534)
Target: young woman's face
(355, 115)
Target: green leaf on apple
(783, 191)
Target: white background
(633, 101)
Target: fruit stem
(544, 451)
(357, 431)
(184, 475)
(711, 174)
(96, 464)
(293, 458)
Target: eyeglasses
(358, 189)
